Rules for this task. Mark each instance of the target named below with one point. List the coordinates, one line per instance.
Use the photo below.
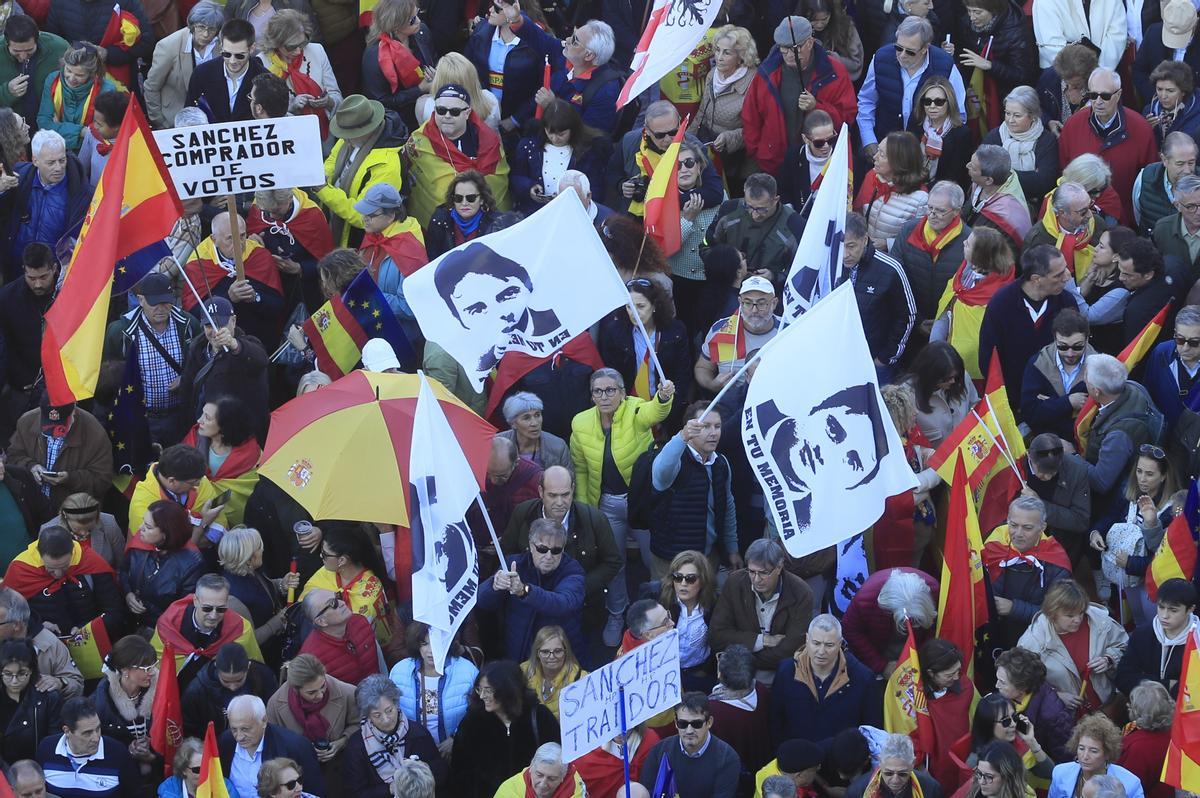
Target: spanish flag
(123, 32)
(340, 329)
(212, 776)
(905, 708)
(1176, 555)
(134, 208)
(1181, 768)
(662, 199)
(166, 726)
(366, 12)
(1131, 356)
(962, 601)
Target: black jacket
(361, 779)
(674, 352)
(242, 374)
(375, 86)
(35, 717)
(1145, 303)
(485, 754)
(159, 578)
(1045, 172)
(886, 304)
(21, 332)
(440, 232)
(1142, 661)
(208, 82)
(277, 742)
(205, 698)
(76, 604)
(1025, 587)
(1013, 57)
(956, 151)
(85, 20)
(112, 723)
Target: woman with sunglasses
(1146, 504)
(1104, 276)
(69, 97)
(436, 700)
(561, 142)
(186, 766)
(287, 49)
(26, 714)
(125, 695)
(281, 778)
(696, 214)
(398, 64)
(944, 138)
(1096, 743)
(996, 720)
(894, 190)
(998, 773)
(161, 563)
(468, 212)
(689, 592)
(551, 666)
(350, 567)
(504, 726)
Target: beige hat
(1179, 20)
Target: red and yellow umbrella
(342, 451)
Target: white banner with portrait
(528, 288)
(817, 433)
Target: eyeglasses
(910, 52)
(236, 56)
(689, 579)
(483, 691)
(19, 676)
(442, 110)
(820, 144)
(291, 785)
(200, 26)
(1100, 95)
(194, 770)
(1061, 347)
(611, 391)
(984, 778)
(325, 555)
(1190, 207)
(932, 211)
(756, 211)
(209, 609)
(1150, 450)
(1191, 342)
(552, 652)
(688, 163)
(461, 198)
(757, 574)
(332, 604)
(928, 101)
(757, 304)
(147, 669)
(414, 19)
(1005, 721)
(682, 724)
(540, 549)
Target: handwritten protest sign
(590, 708)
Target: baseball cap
(378, 355)
(219, 309)
(378, 197)
(1179, 20)
(757, 284)
(156, 289)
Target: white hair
(190, 117)
(1106, 374)
(1065, 194)
(548, 754)
(897, 746)
(44, 138)
(1099, 72)
(905, 594)
(825, 623)
(952, 191)
(573, 178)
(601, 41)
(248, 703)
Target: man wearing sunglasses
(341, 638)
(639, 155)
(1173, 369)
(804, 163)
(197, 626)
(1052, 390)
(542, 586)
(696, 762)
(930, 247)
(1124, 139)
(221, 86)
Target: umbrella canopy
(342, 451)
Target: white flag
(852, 571)
(442, 487)
(823, 447)
(528, 288)
(817, 266)
(673, 30)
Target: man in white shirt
(250, 741)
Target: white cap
(378, 355)
(757, 284)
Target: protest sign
(590, 708)
(241, 157)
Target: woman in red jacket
(874, 622)
(1145, 743)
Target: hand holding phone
(223, 499)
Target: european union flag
(341, 327)
(127, 426)
(369, 308)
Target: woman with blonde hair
(317, 707)
(287, 49)
(253, 595)
(551, 666)
(69, 98)
(398, 65)
(83, 518)
(945, 141)
(454, 68)
(719, 117)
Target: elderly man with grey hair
(297, 234)
(896, 775)
(56, 177)
(1177, 235)
(582, 185)
(930, 247)
(1172, 367)
(175, 57)
(1127, 419)
(1022, 570)
(779, 786)
(1154, 189)
(591, 84)
(887, 105)
(545, 776)
(996, 199)
(542, 586)
(634, 160)
(1072, 215)
(764, 607)
(250, 740)
(511, 479)
(1123, 137)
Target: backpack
(643, 501)
(1156, 425)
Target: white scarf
(720, 84)
(1168, 644)
(816, 165)
(1020, 146)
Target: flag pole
(1002, 447)
(236, 231)
(749, 362)
(624, 741)
(487, 519)
(1007, 449)
(637, 319)
(199, 301)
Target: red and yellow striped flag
(662, 199)
(1181, 768)
(1176, 555)
(1131, 355)
(962, 587)
(134, 208)
(212, 776)
(905, 708)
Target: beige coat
(167, 83)
(55, 660)
(341, 711)
(720, 113)
(1107, 638)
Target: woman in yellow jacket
(605, 443)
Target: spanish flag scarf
(930, 241)
(1076, 247)
(301, 82)
(57, 90)
(647, 159)
(875, 787)
(399, 66)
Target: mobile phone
(223, 499)
(1022, 724)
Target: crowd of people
(1025, 199)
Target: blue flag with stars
(128, 428)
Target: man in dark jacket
(590, 82)
(930, 248)
(1154, 189)
(523, 61)
(225, 362)
(511, 480)
(1120, 427)
(1021, 574)
(83, 763)
(23, 306)
(1062, 485)
(1052, 389)
(805, 162)
(27, 57)
(89, 21)
(230, 675)
(250, 741)
(642, 147)
(1155, 651)
(1141, 269)
(696, 762)
(765, 230)
(1177, 235)
(885, 300)
(210, 84)
(764, 607)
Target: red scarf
(405, 251)
(933, 246)
(309, 227)
(489, 148)
(28, 576)
(1047, 550)
(398, 64)
(565, 790)
(1075, 242)
(170, 625)
(982, 290)
(242, 458)
(302, 83)
(103, 145)
(874, 187)
(313, 724)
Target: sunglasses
(461, 198)
(909, 52)
(540, 549)
(689, 579)
(208, 609)
(1006, 721)
(296, 45)
(688, 163)
(1150, 450)
(333, 602)
(820, 144)
(928, 101)
(235, 56)
(1192, 342)
(1100, 95)
(454, 113)
(682, 724)
(665, 134)
(291, 785)
(194, 770)
(1070, 347)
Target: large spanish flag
(212, 775)
(1131, 355)
(132, 211)
(1181, 767)
(1176, 555)
(905, 708)
(962, 601)
(662, 199)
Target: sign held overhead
(241, 157)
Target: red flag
(962, 603)
(166, 725)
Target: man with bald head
(511, 480)
(257, 297)
(1122, 138)
(341, 638)
(589, 541)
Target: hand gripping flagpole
(487, 519)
